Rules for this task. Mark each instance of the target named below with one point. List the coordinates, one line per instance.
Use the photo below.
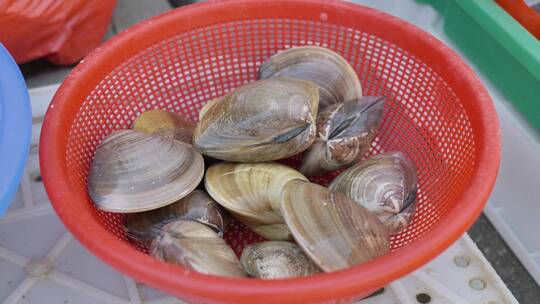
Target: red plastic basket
(437, 112)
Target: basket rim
(354, 281)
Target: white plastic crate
(40, 262)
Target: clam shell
(344, 133)
(251, 192)
(207, 106)
(333, 230)
(161, 122)
(385, 184)
(273, 232)
(276, 260)
(134, 171)
(262, 121)
(336, 79)
(197, 206)
(195, 246)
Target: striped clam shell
(336, 79)
(134, 172)
(262, 121)
(385, 184)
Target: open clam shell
(333, 230)
(336, 79)
(252, 193)
(164, 123)
(134, 171)
(262, 121)
(276, 260)
(344, 133)
(197, 206)
(385, 184)
(195, 246)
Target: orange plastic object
(62, 31)
(437, 112)
(524, 14)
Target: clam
(134, 172)
(207, 106)
(276, 260)
(197, 206)
(273, 231)
(252, 193)
(195, 246)
(161, 122)
(344, 133)
(333, 230)
(262, 121)
(336, 79)
(385, 184)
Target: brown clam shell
(251, 192)
(197, 206)
(276, 260)
(195, 246)
(344, 133)
(164, 123)
(134, 172)
(261, 121)
(336, 79)
(385, 184)
(333, 230)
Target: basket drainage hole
(36, 177)
(461, 261)
(423, 298)
(477, 284)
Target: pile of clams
(308, 101)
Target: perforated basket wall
(429, 112)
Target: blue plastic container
(15, 127)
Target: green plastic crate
(505, 51)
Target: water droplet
(39, 268)
(323, 16)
